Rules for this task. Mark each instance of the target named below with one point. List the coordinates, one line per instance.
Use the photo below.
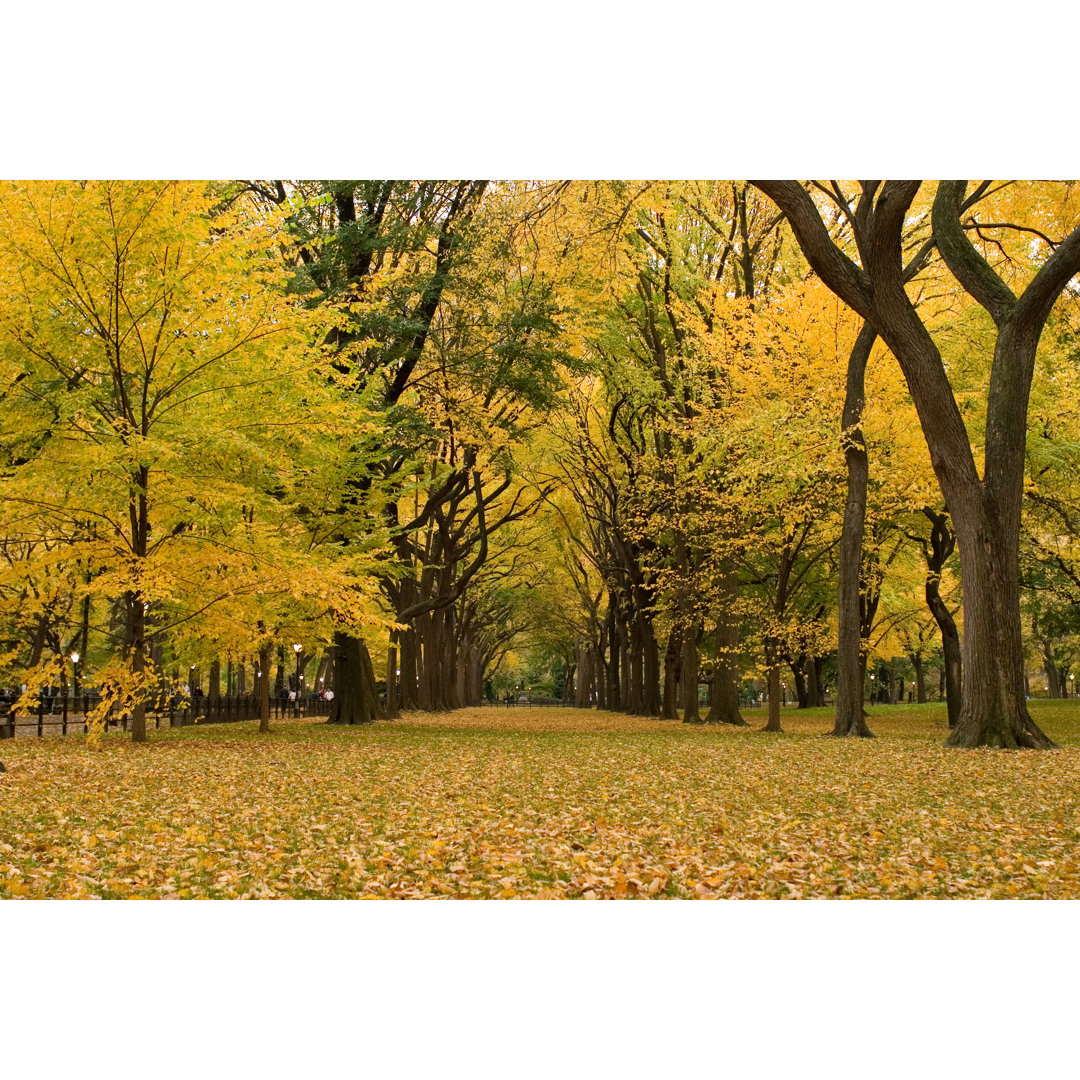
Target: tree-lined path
(543, 803)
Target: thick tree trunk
(691, 712)
(724, 708)
(850, 718)
(813, 682)
(356, 700)
(993, 710)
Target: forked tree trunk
(356, 699)
(985, 504)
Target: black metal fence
(68, 715)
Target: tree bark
(773, 683)
(725, 689)
(937, 551)
(850, 718)
(264, 690)
(137, 655)
(691, 712)
(670, 708)
(356, 699)
(920, 678)
(798, 673)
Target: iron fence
(68, 715)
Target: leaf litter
(549, 803)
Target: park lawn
(543, 802)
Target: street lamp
(297, 648)
(75, 673)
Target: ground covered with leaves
(545, 803)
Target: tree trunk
(624, 668)
(813, 681)
(614, 686)
(670, 708)
(920, 678)
(952, 671)
(773, 683)
(392, 710)
(725, 688)
(650, 669)
(850, 718)
(137, 653)
(993, 710)
(264, 690)
(356, 700)
(1053, 676)
(798, 671)
(691, 713)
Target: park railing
(63, 716)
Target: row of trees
(655, 430)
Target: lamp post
(871, 688)
(297, 648)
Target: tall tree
(141, 330)
(985, 508)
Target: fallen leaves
(541, 803)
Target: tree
(156, 378)
(985, 508)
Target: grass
(544, 802)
